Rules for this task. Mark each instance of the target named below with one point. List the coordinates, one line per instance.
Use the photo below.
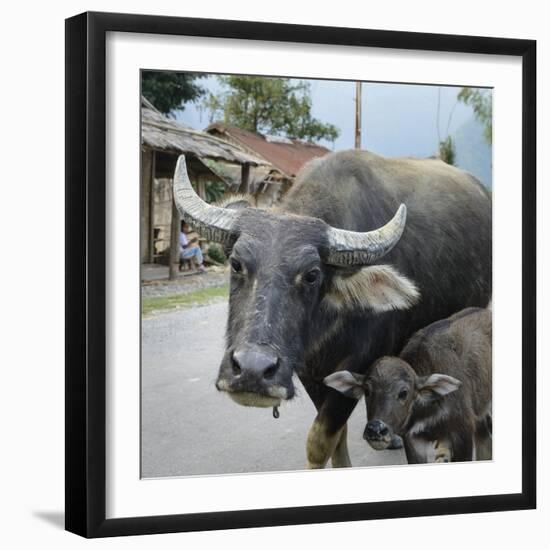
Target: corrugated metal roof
(164, 134)
(287, 155)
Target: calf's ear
(347, 383)
(376, 287)
(438, 385)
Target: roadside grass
(198, 297)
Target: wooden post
(152, 209)
(245, 178)
(175, 228)
(145, 204)
(358, 115)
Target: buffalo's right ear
(376, 287)
(347, 383)
(236, 202)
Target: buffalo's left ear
(438, 385)
(235, 202)
(376, 287)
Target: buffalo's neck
(357, 338)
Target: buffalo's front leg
(340, 456)
(327, 435)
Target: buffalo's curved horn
(347, 248)
(212, 222)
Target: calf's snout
(376, 429)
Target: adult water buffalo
(325, 278)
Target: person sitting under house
(189, 247)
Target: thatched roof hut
(162, 141)
(161, 133)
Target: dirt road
(189, 428)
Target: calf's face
(393, 395)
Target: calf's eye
(402, 395)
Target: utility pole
(358, 115)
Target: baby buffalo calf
(436, 395)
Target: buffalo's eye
(312, 276)
(402, 395)
(236, 266)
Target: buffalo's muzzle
(255, 363)
(253, 375)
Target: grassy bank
(198, 297)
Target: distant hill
(472, 152)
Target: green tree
(277, 106)
(215, 190)
(169, 91)
(481, 102)
(447, 151)
(446, 148)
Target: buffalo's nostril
(384, 431)
(270, 372)
(235, 365)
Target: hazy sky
(397, 119)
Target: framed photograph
(300, 274)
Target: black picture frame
(86, 274)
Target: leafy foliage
(169, 91)
(275, 106)
(447, 152)
(214, 191)
(216, 253)
(481, 102)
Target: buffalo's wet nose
(376, 429)
(255, 361)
